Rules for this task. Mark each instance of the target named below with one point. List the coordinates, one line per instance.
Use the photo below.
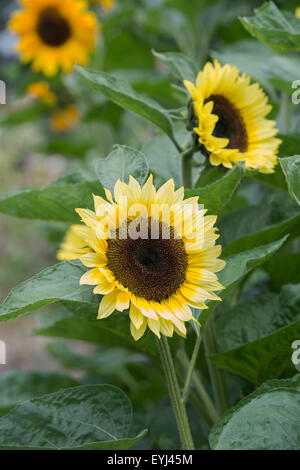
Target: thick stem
(174, 392)
(216, 375)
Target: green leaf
(17, 116)
(237, 266)
(181, 65)
(216, 195)
(162, 155)
(84, 417)
(280, 30)
(120, 92)
(291, 169)
(268, 419)
(81, 324)
(56, 283)
(19, 386)
(56, 202)
(121, 163)
(259, 224)
(101, 362)
(255, 336)
(284, 268)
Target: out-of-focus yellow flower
(157, 275)
(228, 114)
(297, 12)
(105, 4)
(54, 34)
(73, 245)
(65, 119)
(42, 91)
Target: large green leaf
(268, 419)
(162, 155)
(181, 65)
(84, 417)
(291, 169)
(259, 224)
(120, 92)
(101, 362)
(279, 30)
(237, 266)
(121, 163)
(112, 332)
(217, 194)
(284, 268)
(56, 202)
(18, 386)
(255, 336)
(56, 283)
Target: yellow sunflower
(65, 119)
(158, 277)
(229, 118)
(42, 91)
(74, 245)
(54, 34)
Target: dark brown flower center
(230, 124)
(150, 268)
(53, 29)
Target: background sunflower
(54, 34)
(230, 118)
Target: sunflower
(228, 115)
(157, 277)
(42, 91)
(65, 119)
(73, 245)
(54, 34)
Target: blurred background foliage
(31, 154)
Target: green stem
(174, 392)
(285, 105)
(210, 408)
(216, 375)
(186, 168)
(191, 368)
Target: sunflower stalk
(186, 167)
(209, 406)
(191, 367)
(175, 396)
(216, 375)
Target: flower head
(229, 118)
(42, 91)
(153, 253)
(54, 34)
(73, 245)
(65, 119)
